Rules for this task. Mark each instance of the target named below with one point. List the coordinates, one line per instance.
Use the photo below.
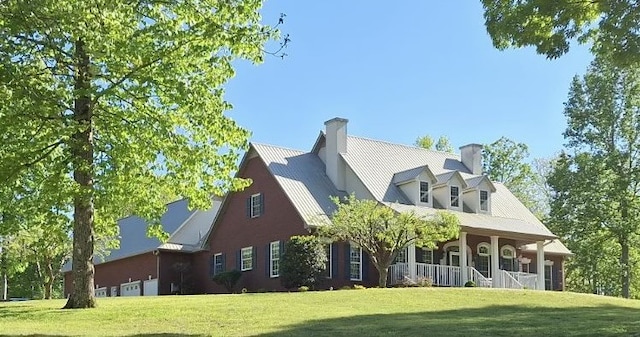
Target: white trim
(509, 247)
(242, 250)
(548, 263)
(429, 192)
(459, 197)
(255, 215)
(351, 247)
(485, 245)
(272, 259)
(480, 201)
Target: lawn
(370, 312)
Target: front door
(454, 258)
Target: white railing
(398, 273)
(440, 275)
(478, 278)
(506, 280)
(528, 280)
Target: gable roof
(410, 174)
(444, 178)
(303, 178)
(477, 180)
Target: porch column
(411, 262)
(495, 262)
(540, 264)
(463, 258)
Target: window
(355, 260)
(246, 258)
(484, 201)
(327, 267)
(455, 196)
(218, 266)
(274, 256)
(401, 257)
(508, 254)
(256, 205)
(424, 255)
(424, 191)
(484, 261)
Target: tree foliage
(596, 201)
(126, 99)
(611, 26)
(426, 142)
(383, 232)
(303, 262)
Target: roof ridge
(278, 147)
(403, 145)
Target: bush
(302, 263)
(359, 287)
(470, 284)
(227, 279)
(303, 289)
(345, 288)
(424, 282)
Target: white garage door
(130, 289)
(151, 287)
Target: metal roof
(550, 246)
(303, 178)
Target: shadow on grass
(488, 321)
(138, 335)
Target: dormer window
(424, 192)
(455, 196)
(484, 201)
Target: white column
(495, 262)
(463, 258)
(540, 264)
(411, 262)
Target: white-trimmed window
(484, 261)
(218, 266)
(508, 255)
(401, 257)
(425, 255)
(246, 258)
(424, 192)
(274, 259)
(355, 263)
(455, 196)
(256, 205)
(327, 267)
(484, 200)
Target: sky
(398, 70)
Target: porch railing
(440, 275)
(506, 280)
(528, 280)
(478, 278)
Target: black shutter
(555, 278)
(224, 262)
(347, 261)
(254, 258)
(334, 260)
(212, 269)
(533, 267)
(249, 207)
(267, 260)
(238, 259)
(282, 248)
(261, 203)
(365, 266)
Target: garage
(151, 287)
(130, 289)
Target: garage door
(151, 287)
(130, 289)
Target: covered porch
(491, 261)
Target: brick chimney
(336, 143)
(471, 156)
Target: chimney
(336, 143)
(471, 156)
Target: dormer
(448, 190)
(417, 184)
(477, 196)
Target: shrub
(345, 288)
(424, 282)
(227, 279)
(302, 263)
(470, 284)
(359, 287)
(303, 289)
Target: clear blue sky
(398, 72)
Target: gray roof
(303, 178)
(409, 174)
(550, 246)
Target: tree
(303, 262)
(126, 98)
(551, 26)
(426, 142)
(383, 233)
(597, 188)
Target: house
(501, 243)
(504, 244)
(145, 266)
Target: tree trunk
(626, 273)
(48, 281)
(81, 148)
(382, 276)
(3, 272)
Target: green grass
(370, 312)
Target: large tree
(382, 232)
(611, 26)
(597, 184)
(125, 97)
(426, 142)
